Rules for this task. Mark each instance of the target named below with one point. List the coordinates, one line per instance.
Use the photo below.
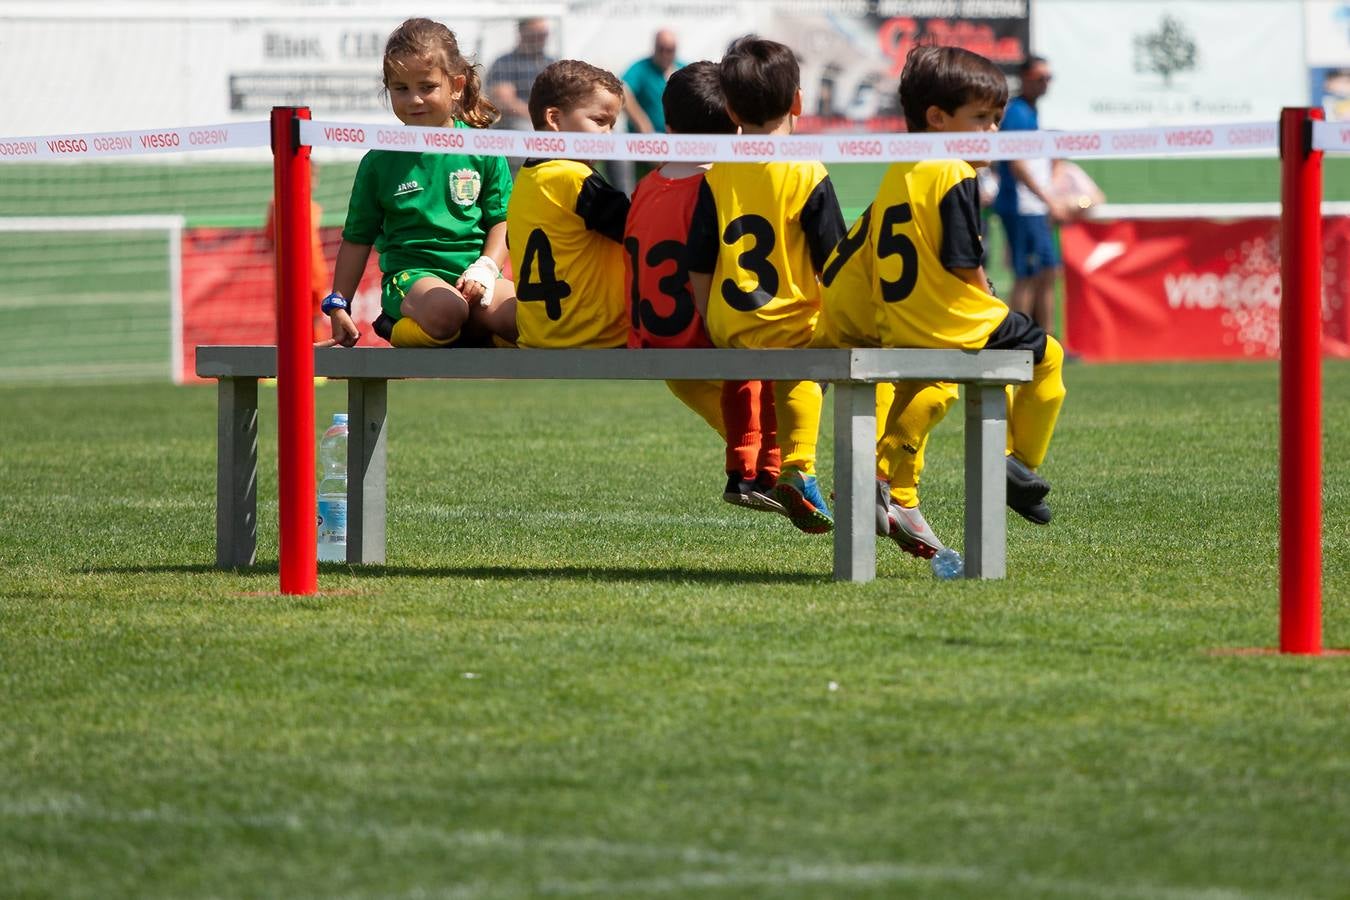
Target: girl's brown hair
(433, 43)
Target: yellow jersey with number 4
(889, 282)
(565, 230)
(764, 230)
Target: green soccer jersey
(426, 210)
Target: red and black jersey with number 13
(660, 303)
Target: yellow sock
(408, 333)
(1035, 407)
(885, 397)
(798, 406)
(704, 398)
(916, 410)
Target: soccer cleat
(750, 494)
(800, 497)
(1026, 492)
(883, 508)
(910, 530)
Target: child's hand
(472, 290)
(478, 280)
(345, 332)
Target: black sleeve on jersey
(603, 207)
(959, 211)
(700, 251)
(823, 222)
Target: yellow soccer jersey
(889, 282)
(565, 230)
(764, 230)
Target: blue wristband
(334, 301)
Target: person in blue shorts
(1027, 207)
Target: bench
(852, 373)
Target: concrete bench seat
(853, 375)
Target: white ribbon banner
(829, 148)
(135, 143)
(1330, 135)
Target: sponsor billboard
(1150, 289)
(1148, 62)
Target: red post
(295, 356)
(1300, 384)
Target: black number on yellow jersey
(538, 258)
(754, 259)
(895, 243)
(675, 285)
(851, 244)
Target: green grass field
(581, 674)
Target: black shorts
(1018, 332)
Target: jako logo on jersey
(406, 188)
(464, 186)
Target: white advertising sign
(1326, 32)
(1137, 63)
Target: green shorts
(397, 287)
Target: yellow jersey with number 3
(565, 230)
(764, 230)
(889, 282)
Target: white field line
(745, 871)
(125, 298)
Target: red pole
(1300, 385)
(295, 355)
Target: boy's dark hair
(565, 84)
(948, 78)
(693, 101)
(760, 79)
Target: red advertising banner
(1182, 289)
(229, 291)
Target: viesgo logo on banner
(1190, 289)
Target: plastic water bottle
(333, 491)
(947, 564)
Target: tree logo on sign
(1167, 51)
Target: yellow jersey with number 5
(764, 231)
(565, 230)
(889, 282)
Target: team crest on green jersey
(464, 186)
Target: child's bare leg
(437, 307)
(499, 318)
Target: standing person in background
(1027, 206)
(511, 76)
(644, 83)
(318, 263)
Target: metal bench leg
(986, 481)
(236, 472)
(366, 459)
(855, 468)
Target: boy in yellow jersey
(565, 222)
(910, 273)
(760, 234)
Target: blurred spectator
(1027, 205)
(511, 76)
(644, 82)
(319, 282)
